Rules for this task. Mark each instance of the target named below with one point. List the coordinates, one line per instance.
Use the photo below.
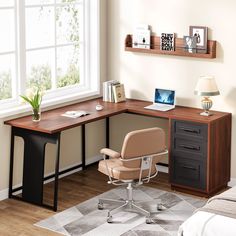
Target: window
(8, 52)
(48, 43)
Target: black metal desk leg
(83, 146)
(56, 174)
(107, 132)
(11, 163)
(33, 167)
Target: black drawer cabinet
(189, 129)
(189, 172)
(188, 154)
(189, 148)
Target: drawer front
(189, 147)
(188, 172)
(190, 129)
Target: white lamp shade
(206, 86)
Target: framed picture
(190, 44)
(167, 41)
(200, 32)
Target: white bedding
(208, 224)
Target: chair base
(128, 204)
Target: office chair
(136, 165)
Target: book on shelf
(142, 36)
(107, 90)
(119, 92)
(167, 41)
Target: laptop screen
(165, 96)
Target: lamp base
(206, 105)
(206, 113)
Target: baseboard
(232, 182)
(4, 192)
(162, 168)
(90, 161)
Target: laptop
(164, 100)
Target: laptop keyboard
(160, 107)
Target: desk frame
(32, 188)
(36, 136)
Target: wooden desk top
(53, 122)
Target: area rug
(85, 219)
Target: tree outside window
(52, 45)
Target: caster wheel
(148, 220)
(109, 219)
(160, 207)
(100, 206)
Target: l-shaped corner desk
(199, 146)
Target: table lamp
(206, 87)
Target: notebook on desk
(164, 100)
(75, 114)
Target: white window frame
(6, 102)
(91, 70)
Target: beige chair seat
(134, 165)
(118, 171)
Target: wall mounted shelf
(179, 48)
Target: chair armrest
(110, 153)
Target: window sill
(24, 109)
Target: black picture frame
(201, 34)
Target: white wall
(141, 73)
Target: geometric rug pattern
(85, 219)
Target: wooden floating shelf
(179, 48)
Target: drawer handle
(189, 167)
(190, 130)
(190, 147)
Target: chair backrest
(142, 143)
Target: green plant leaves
(35, 101)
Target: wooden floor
(17, 218)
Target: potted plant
(34, 98)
